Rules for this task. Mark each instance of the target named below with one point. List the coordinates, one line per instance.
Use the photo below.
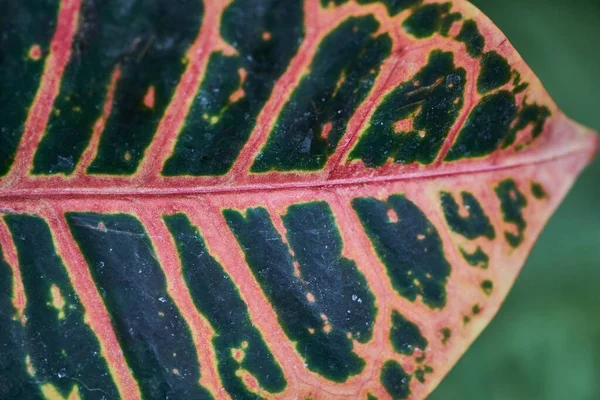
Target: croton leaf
(262, 198)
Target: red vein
(223, 246)
(323, 23)
(358, 249)
(281, 90)
(385, 82)
(37, 119)
(202, 333)
(96, 314)
(92, 147)
(428, 320)
(440, 357)
(207, 42)
(276, 207)
(470, 97)
(588, 150)
(7, 247)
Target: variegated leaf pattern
(262, 198)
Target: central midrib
(171, 191)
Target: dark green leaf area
(394, 6)
(519, 86)
(487, 125)
(429, 19)
(326, 300)
(266, 35)
(408, 245)
(413, 120)
(405, 335)
(155, 339)
(530, 114)
(537, 190)
(13, 347)
(421, 372)
(218, 299)
(446, 334)
(147, 41)
(469, 34)
(495, 72)
(512, 202)
(487, 286)
(478, 258)
(317, 113)
(395, 380)
(475, 224)
(27, 26)
(325, 3)
(63, 350)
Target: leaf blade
(429, 131)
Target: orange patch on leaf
(249, 381)
(35, 52)
(238, 94)
(326, 129)
(403, 125)
(392, 216)
(238, 354)
(149, 97)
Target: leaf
(260, 198)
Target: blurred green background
(545, 342)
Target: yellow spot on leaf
(51, 393)
(339, 82)
(58, 301)
(29, 365)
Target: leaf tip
(590, 141)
